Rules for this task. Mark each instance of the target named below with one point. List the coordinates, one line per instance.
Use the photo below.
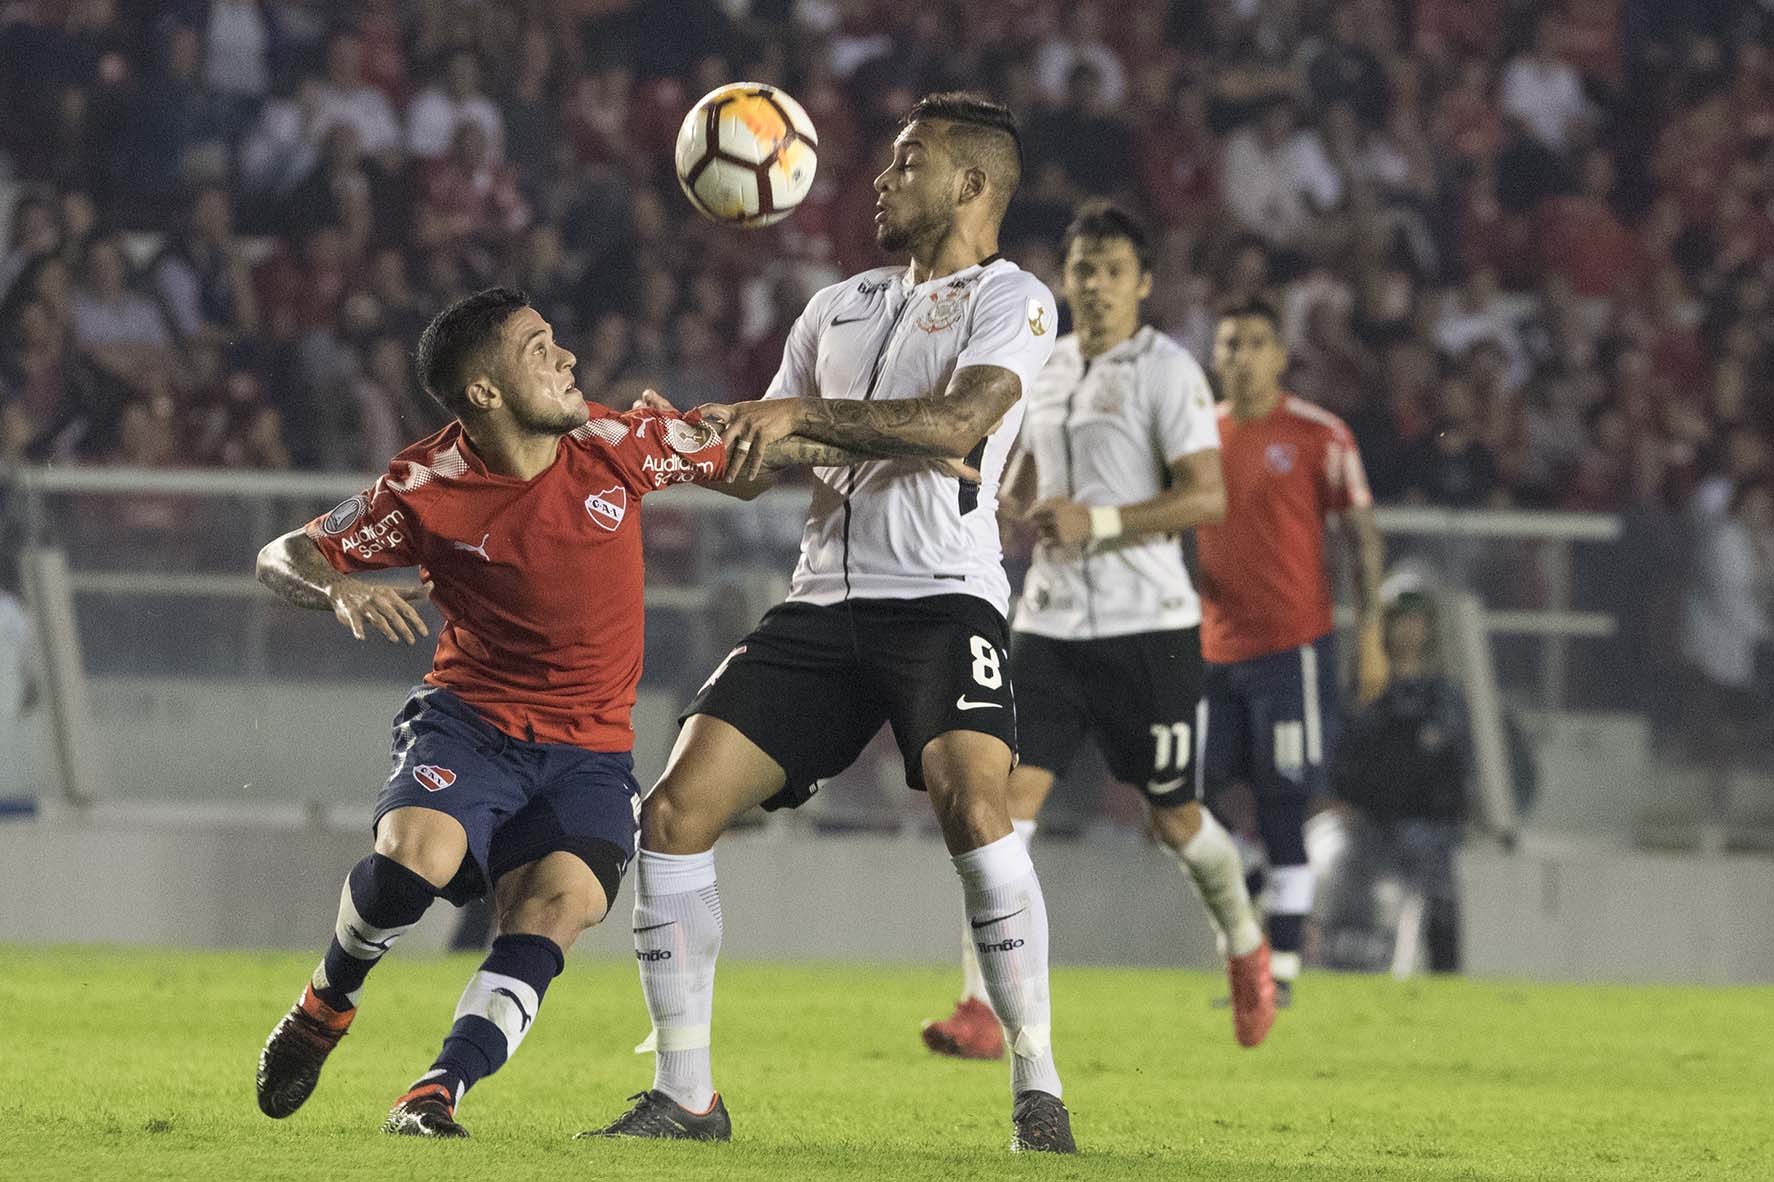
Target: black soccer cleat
(1042, 1124)
(425, 1111)
(290, 1064)
(1284, 995)
(658, 1116)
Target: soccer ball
(746, 155)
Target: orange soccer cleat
(1253, 995)
(971, 1032)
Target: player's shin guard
(496, 1011)
(677, 938)
(1007, 918)
(1287, 896)
(973, 986)
(1211, 860)
(381, 901)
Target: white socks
(677, 937)
(973, 986)
(1211, 859)
(1007, 922)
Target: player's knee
(970, 814)
(431, 853)
(1176, 827)
(671, 825)
(560, 912)
(1028, 791)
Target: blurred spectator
(19, 690)
(1574, 236)
(1344, 71)
(33, 234)
(439, 109)
(1403, 769)
(343, 96)
(235, 62)
(1079, 43)
(202, 277)
(1725, 625)
(471, 202)
(1544, 93)
(115, 324)
(1276, 179)
(175, 126)
(1580, 240)
(1452, 467)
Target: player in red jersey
(1269, 692)
(512, 770)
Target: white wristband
(1105, 522)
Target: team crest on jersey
(944, 312)
(434, 778)
(607, 508)
(1111, 395)
(1037, 317)
(1281, 457)
(682, 435)
(345, 514)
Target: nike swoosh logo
(366, 941)
(654, 927)
(1167, 786)
(961, 703)
(986, 923)
(504, 992)
(849, 320)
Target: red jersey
(538, 581)
(1264, 585)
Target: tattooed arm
(294, 568)
(944, 426)
(797, 451)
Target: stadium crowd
(1524, 247)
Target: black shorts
(812, 684)
(1136, 695)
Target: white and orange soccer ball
(746, 155)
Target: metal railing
(139, 542)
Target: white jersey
(1105, 432)
(903, 529)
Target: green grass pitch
(131, 1064)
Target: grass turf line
(121, 1063)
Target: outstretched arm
(294, 568)
(797, 451)
(1196, 496)
(945, 426)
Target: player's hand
(959, 469)
(1061, 520)
(389, 609)
(750, 428)
(651, 399)
(1372, 670)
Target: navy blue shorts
(1268, 722)
(519, 801)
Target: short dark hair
(457, 338)
(1100, 218)
(986, 134)
(1262, 309)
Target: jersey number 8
(985, 664)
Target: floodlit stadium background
(1530, 264)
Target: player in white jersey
(895, 613)
(1119, 454)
